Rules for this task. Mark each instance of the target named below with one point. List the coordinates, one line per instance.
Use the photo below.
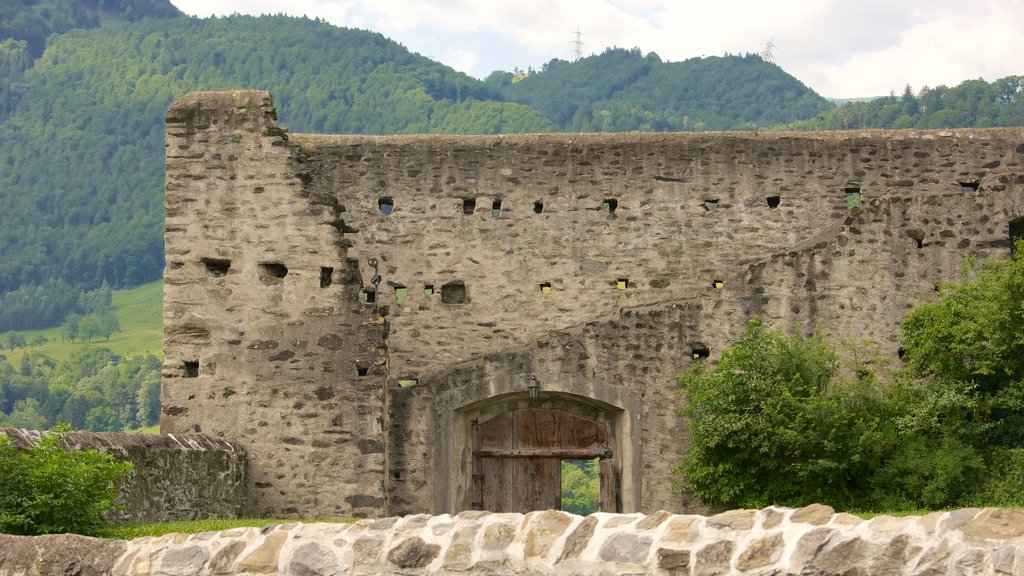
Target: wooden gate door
(517, 457)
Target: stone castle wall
(811, 540)
(181, 477)
(599, 263)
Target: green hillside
(971, 103)
(139, 311)
(100, 385)
(621, 90)
(26, 24)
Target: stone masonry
(175, 477)
(601, 264)
(811, 541)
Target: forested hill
(26, 24)
(622, 90)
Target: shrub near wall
(48, 488)
(176, 477)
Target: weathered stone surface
(413, 553)
(543, 528)
(996, 523)
(461, 545)
(460, 551)
(58, 554)
(224, 558)
(771, 518)
(266, 557)
(623, 547)
(895, 555)
(366, 550)
(841, 557)
(652, 521)
(713, 559)
(682, 529)
(314, 559)
(810, 545)
(761, 552)
(184, 561)
(579, 538)
(1004, 559)
(674, 561)
(733, 520)
(815, 514)
(497, 536)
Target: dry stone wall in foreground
(810, 540)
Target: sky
(840, 48)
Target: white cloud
(838, 47)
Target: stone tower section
(265, 338)
(537, 290)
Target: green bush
(48, 488)
(771, 424)
(775, 423)
(580, 486)
(1005, 484)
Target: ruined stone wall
(265, 340)
(599, 263)
(812, 540)
(181, 477)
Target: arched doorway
(517, 459)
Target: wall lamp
(533, 386)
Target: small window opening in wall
(273, 269)
(700, 351)
(326, 276)
(496, 208)
(609, 205)
(370, 295)
(190, 369)
(622, 283)
(386, 205)
(468, 206)
(361, 370)
(408, 382)
(453, 293)
(216, 267)
(711, 205)
(773, 201)
(718, 284)
(428, 289)
(545, 287)
(1016, 233)
(538, 207)
(852, 195)
(969, 186)
(401, 292)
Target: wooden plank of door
(609, 485)
(541, 486)
(501, 485)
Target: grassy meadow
(139, 312)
